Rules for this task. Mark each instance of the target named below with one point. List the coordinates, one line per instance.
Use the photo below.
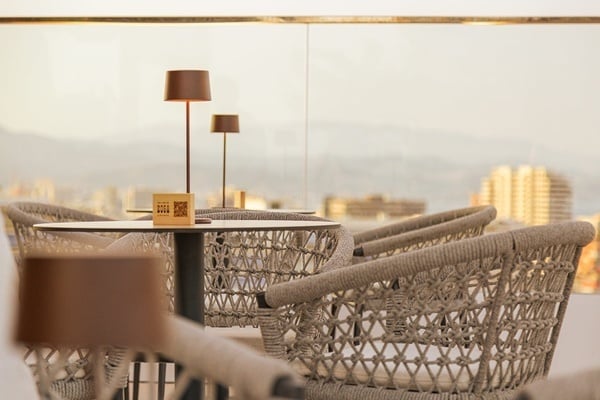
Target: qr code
(180, 208)
(162, 208)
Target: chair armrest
(401, 242)
(250, 374)
(414, 262)
(387, 268)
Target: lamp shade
(227, 123)
(187, 85)
(91, 300)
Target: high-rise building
(531, 195)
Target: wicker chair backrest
(24, 215)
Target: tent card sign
(173, 208)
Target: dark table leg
(222, 391)
(189, 288)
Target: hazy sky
(538, 82)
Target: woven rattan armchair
(422, 231)
(480, 318)
(202, 355)
(75, 380)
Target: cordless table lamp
(185, 86)
(225, 123)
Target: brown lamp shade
(226, 123)
(187, 85)
(91, 300)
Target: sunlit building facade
(530, 195)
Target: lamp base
(173, 209)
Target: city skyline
(513, 190)
(444, 182)
(133, 197)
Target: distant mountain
(346, 160)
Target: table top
(286, 210)
(291, 210)
(213, 226)
(139, 210)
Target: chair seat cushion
(418, 367)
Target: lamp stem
(187, 146)
(224, 161)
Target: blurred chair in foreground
(422, 231)
(480, 318)
(96, 311)
(249, 373)
(89, 301)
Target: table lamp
(91, 301)
(187, 85)
(225, 123)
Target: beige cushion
(16, 381)
(386, 374)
